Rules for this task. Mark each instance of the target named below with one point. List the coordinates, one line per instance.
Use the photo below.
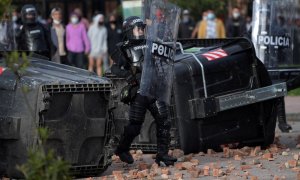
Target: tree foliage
(196, 7)
(4, 6)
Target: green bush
(295, 92)
(44, 165)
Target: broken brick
(201, 154)
(276, 178)
(210, 151)
(194, 173)
(215, 172)
(187, 165)
(165, 171)
(188, 157)
(139, 152)
(253, 178)
(244, 167)
(206, 171)
(133, 174)
(292, 163)
(284, 153)
(164, 176)
(296, 157)
(237, 158)
(143, 166)
(267, 156)
(178, 165)
(226, 152)
(255, 151)
(240, 153)
(195, 162)
(178, 176)
(118, 175)
(178, 153)
(143, 173)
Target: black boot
(130, 132)
(124, 156)
(282, 124)
(162, 157)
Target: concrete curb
(293, 117)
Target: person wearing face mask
(77, 41)
(186, 26)
(114, 35)
(212, 27)
(196, 29)
(58, 37)
(98, 37)
(236, 24)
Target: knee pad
(137, 112)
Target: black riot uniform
(32, 35)
(130, 66)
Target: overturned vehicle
(73, 104)
(222, 94)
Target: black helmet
(129, 24)
(29, 14)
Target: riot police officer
(130, 66)
(32, 35)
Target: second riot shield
(7, 36)
(272, 32)
(161, 36)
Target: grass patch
(295, 92)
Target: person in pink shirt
(77, 41)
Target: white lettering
(161, 50)
(274, 40)
(154, 47)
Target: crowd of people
(90, 44)
(78, 43)
(210, 26)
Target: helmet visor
(138, 31)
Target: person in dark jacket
(114, 35)
(186, 26)
(33, 36)
(58, 37)
(236, 24)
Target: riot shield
(7, 36)
(161, 36)
(272, 32)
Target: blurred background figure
(58, 37)
(114, 35)
(196, 29)
(32, 35)
(212, 27)
(83, 20)
(77, 42)
(235, 25)
(16, 19)
(248, 24)
(186, 25)
(98, 37)
(6, 33)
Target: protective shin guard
(160, 113)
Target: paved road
(269, 169)
(292, 107)
(275, 168)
